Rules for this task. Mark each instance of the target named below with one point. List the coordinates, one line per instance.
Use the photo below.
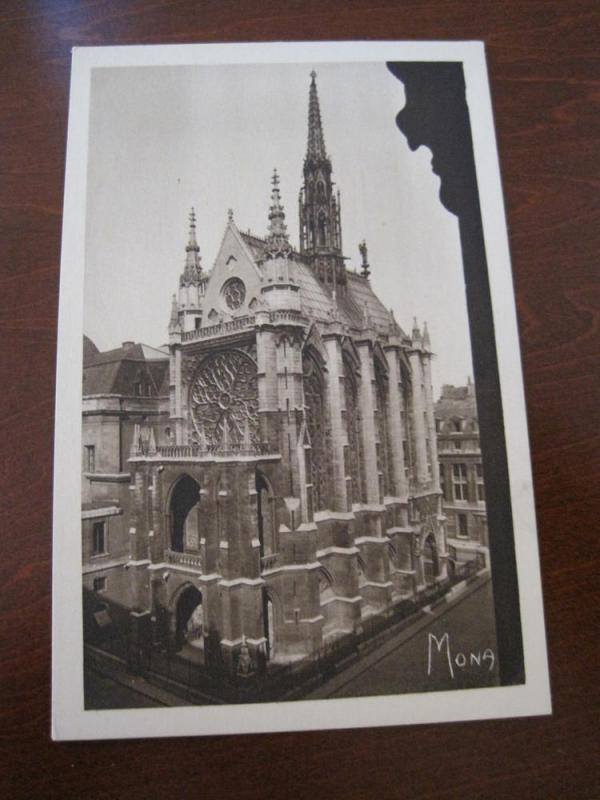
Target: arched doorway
(431, 563)
(189, 619)
(184, 515)
(327, 602)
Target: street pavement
(453, 647)
(456, 650)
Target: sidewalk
(424, 619)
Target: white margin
(69, 720)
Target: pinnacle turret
(174, 319)
(426, 339)
(277, 238)
(416, 333)
(192, 272)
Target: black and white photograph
(293, 481)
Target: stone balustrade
(191, 560)
(186, 451)
(269, 561)
(221, 328)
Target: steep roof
(89, 349)
(117, 371)
(317, 302)
(456, 402)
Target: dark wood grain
(543, 61)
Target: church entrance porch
(189, 622)
(184, 515)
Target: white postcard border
(69, 720)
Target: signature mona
(440, 650)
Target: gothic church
(291, 490)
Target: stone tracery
(316, 421)
(223, 400)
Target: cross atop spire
(277, 238)
(193, 268)
(315, 150)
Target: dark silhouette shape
(185, 496)
(436, 115)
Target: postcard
(292, 477)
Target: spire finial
(277, 238)
(193, 268)
(174, 320)
(316, 142)
(230, 214)
(416, 333)
(426, 339)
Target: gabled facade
(299, 494)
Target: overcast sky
(163, 139)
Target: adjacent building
(273, 481)
(125, 393)
(461, 474)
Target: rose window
(224, 401)
(234, 293)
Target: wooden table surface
(543, 62)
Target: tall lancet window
(318, 466)
(384, 457)
(355, 471)
(407, 426)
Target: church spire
(193, 269)
(316, 142)
(319, 205)
(277, 238)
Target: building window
(137, 389)
(384, 455)
(99, 538)
(459, 479)
(318, 459)
(90, 458)
(463, 528)
(355, 466)
(99, 584)
(480, 486)
(457, 444)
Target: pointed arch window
(384, 456)
(407, 432)
(355, 473)
(322, 232)
(318, 458)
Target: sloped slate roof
(89, 349)
(317, 303)
(456, 402)
(116, 371)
